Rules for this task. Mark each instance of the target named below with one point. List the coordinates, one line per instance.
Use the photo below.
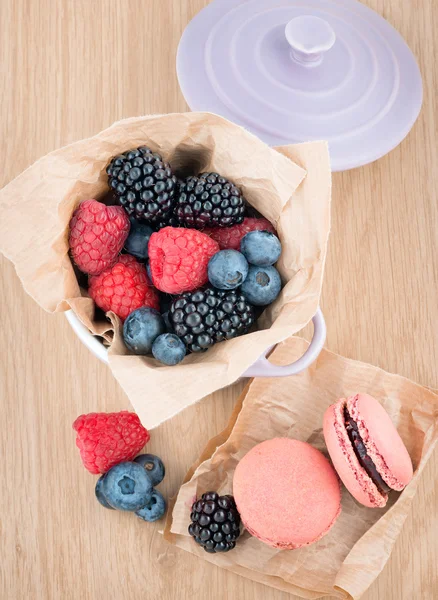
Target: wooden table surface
(69, 68)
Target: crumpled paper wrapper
(290, 186)
(349, 558)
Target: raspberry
(179, 258)
(97, 235)
(230, 237)
(123, 287)
(106, 439)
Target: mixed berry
(180, 262)
(109, 444)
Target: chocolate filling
(361, 452)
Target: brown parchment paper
(350, 557)
(290, 186)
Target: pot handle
(263, 368)
(84, 334)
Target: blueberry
(148, 270)
(141, 328)
(262, 285)
(99, 493)
(167, 322)
(169, 349)
(127, 486)
(154, 467)
(165, 302)
(138, 240)
(227, 269)
(261, 248)
(154, 509)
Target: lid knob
(309, 37)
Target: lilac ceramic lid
(301, 70)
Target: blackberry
(143, 183)
(168, 221)
(215, 522)
(205, 317)
(209, 200)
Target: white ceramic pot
(261, 368)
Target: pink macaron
(287, 493)
(366, 449)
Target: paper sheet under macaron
(350, 557)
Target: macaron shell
(345, 461)
(287, 493)
(382, 440)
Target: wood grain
(68, 69)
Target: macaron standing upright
(287, 493)
(366, 449)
